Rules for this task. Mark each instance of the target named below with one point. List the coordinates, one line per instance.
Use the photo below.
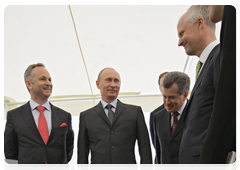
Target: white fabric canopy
(140, 42)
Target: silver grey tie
(110, 113)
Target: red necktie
(42, 125)
(175, 121)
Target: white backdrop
(140, 42)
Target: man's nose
(180, 42)
(168, 101)
(112, 84)
(48, 82)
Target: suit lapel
(180, 123)
(119, 109)
(56, 117)
(167, 122)
(178, 128)
(202, 73)
(101, 112)
(201, 76)
(29, 120)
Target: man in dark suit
(160, 79)
(110, 129)
(221, 133)
(38, 132)
(197, 35)
(168, 124)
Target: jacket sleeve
(156, 143)
(143, 139)
(70, 139)
(10, 140)
(83, 142)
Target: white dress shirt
(113, 103)
(179, 111)
(204, 55)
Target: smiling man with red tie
(38, 132)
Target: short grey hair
(28, 75)
(181, 79)
(195, 12)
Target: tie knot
(40, 108)
(175, 114)
(109, 106)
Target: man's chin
(47, 95)
(112, 97)
(169, 109)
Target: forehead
(110, 73)
(173, 90)
(40, 71)
(182, 23)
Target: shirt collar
(203, 57)
(182, 108)
(33, 105)
(113, 103)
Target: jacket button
(112, 147)
(111, 132)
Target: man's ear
(97, 83)
(185, 95)
(200, 22)
(28, 84)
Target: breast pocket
(63, 130)
(195, 150)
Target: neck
(39, 101)
(206, 43)
(109, 100)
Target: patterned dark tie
(175, 121)
(198, 68)
(110, 113)
(42, 125)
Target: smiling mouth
(185, 45)
(112, 90)
(47, 88)
(168, 107)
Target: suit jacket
(113, 144)
(199, 110)
(221, 135)
(167, 144)
(156, 166)
(23, 142)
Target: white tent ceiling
(140, 42)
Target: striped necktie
(175, 121)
